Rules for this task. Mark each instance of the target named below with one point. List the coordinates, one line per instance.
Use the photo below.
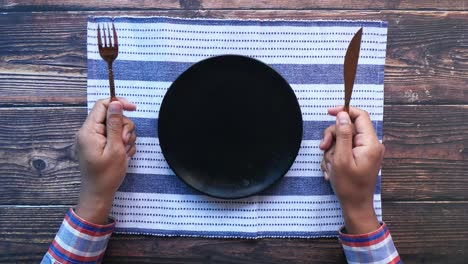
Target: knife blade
(350, 66)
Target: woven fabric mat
(154, 51)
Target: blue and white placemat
(153, 51)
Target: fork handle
(111, 83)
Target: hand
(104, 145)
(351, 164)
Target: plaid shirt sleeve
(374, 247)
(79, 241)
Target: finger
(344, 140)
(128, 129)
(326, 174)
(354, 112)
(132, 139)
(328, 137)
(114, 124)
(98, 112)
(127, 106)
(335, 110)
(322, 166)
(100, 129)
(362, 122)
(328, 155)
(131, 152)
(325, 165)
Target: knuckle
(346, 131)
(118, 153)
(378, 148)
(339, 162)
(132, 152)
(114, 122)
(101, 129)
(363, 112)
(79, 136)
(100, 102)
(375, 152)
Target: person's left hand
(104, 145)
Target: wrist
(360, 219)
(94, 208)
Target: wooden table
(425, 171)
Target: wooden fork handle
(111, 83)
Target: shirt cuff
(373, 247)
(80, 241)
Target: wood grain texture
(424, 158)
(36, 155)
(43, 55)
(76, 5)
(422, 231)
(43, 64)
(425, 152)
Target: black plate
(230, 126)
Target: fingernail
(323, 139)
(343, 119)
(329, 167)
(325, 175)
(127, 137)
(115, 108)
(127, 148)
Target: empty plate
(230, 126)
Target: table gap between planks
(425, 181)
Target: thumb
(114, 124)
(344, 138)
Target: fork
(109, 53)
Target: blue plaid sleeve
(79, 241)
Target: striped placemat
(153, 51)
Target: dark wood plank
(44, 5)
(425, 158)
(43, 55)
(36, 151)
(424, 232)
(425, 151)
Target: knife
(350, 66)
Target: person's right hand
(351, 163)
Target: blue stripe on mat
(312, 130)
(171, 184)
(231, 22)
(166, 71)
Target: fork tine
(99, 40)
(109, 35)
(105, 38)
(116, 43)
